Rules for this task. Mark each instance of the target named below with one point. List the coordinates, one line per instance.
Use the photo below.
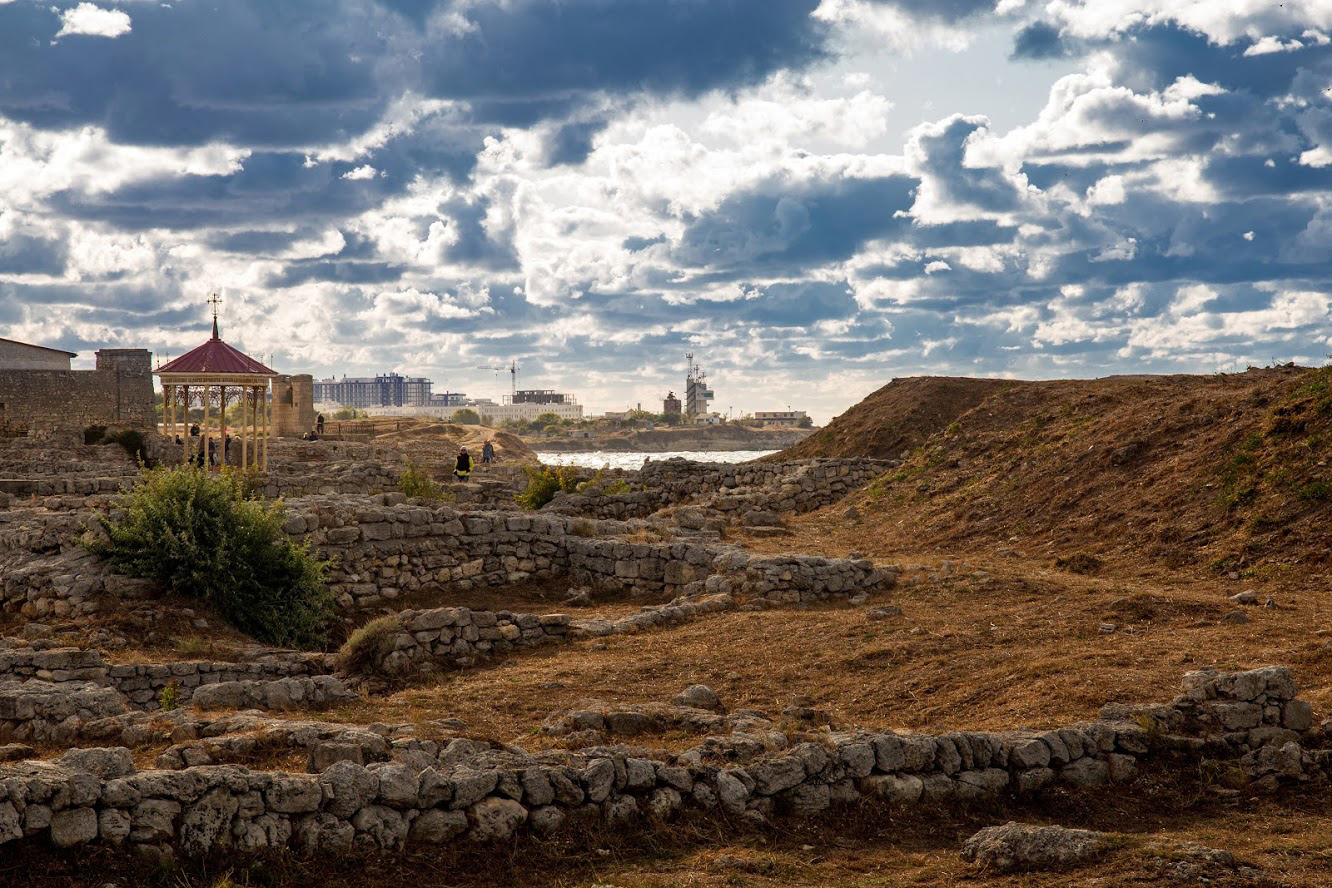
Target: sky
(812, 196)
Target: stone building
(39, 393)
(16, 355)
(293, 405)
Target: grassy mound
(200, 535)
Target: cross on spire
(215, 300)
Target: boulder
(1024, 847)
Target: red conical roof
(215, 356)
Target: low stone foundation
(434, 793)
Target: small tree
(544, 483)
(805, 422)
(466, 416)
(200, 535)
(544, 421)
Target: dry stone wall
(381, 548)
(427, 640)
(143, 683)
(799, 486)
(435, 793)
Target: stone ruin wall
(381, 551)
(381, 547)
(433, 793)
(118, 393)
(293, 405)
(796, 486)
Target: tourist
(319, 425)
(487, 452)
(463, 468)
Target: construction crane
(513, 373)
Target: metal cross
(215, 300)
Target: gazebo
(213, 376)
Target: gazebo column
(185, 433)
(245, 427)
(264, 433)
(225, 430)
(207, 426)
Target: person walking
(462, 469)
(487, 453)
(319, 425)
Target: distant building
(781, 419)
(698, 394)
(671, 406)
(708, 419)
(538, 396)
(390, 390)
(448, 399)
(16, 355)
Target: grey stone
(898, 789)
(75, 826)
(105, 763)
(207, 823)
(382, 826)
(1021, 847)
(347, 788)
(435, 826)
(496, 819)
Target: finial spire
(215, 301)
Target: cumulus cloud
(595, 188)
(93, 21)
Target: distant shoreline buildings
(391, 394)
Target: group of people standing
(462, 467)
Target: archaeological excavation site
(972, 632)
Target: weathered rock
(1023, 847)
(495, 819)
(75, 826)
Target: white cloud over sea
(812, 196)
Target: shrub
(349, 413)
(618, 487)
(365, 650)
(544, 483)
(415, 482)
(169, 697)
(198, 535)
(466, 417)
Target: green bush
(466, 417)
(415, 482)
(199, 535)
(544, 483)
(365, 650)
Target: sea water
(597, 459)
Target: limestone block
(904, 789)
(435, 826)
(74, 826)
(207, 823)
(495, 819)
